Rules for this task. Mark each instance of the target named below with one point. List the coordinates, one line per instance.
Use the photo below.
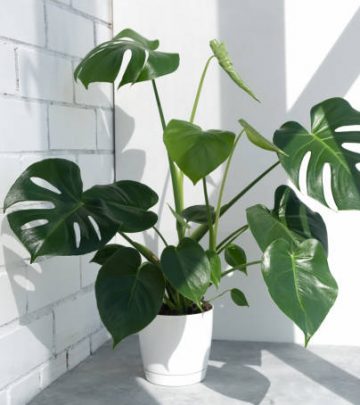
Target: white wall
(292, 56)
(48, 316)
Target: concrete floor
(239, 373)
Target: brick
(22, 126)
(89, 270)
(69, 33)
(75, 320)
(103, 33)
(98, 94)
(101, 9)
(72, 128)
(12, 252)
(24, 348)
(45, 76)
(52, 370)
(10, 165)
(7, 69)
(13, 285)
(98, 339)
(78, 353)
(52, 280)
(96, 169)
(23, 20)
(105, 130)
(25, 389)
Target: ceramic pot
(175, 349)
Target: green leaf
(235, 256)
(179, 218)
(215, 264)
(187, 268)
(290, 220)
(197, 152)
(300, 283)
(198, 214)
(222, 55)
(325, 142)
(73, 222)
(238, 297)
(104, 254)
(299, 218)
(129, 294)
(104, 62)
(257, 139)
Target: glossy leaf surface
(198, 214)
(235, 256)
(196, 152)
(238, 297)
(300, 283)
(215, 264)
(128, 294)
(103, 63)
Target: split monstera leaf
(51, 214)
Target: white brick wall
(48, 316)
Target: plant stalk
(212, 240)
(160, 235)
(201, 230)
(239, 267)
(222, 245)
(174, 172)
(147, 253)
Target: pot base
(175, 380)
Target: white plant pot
(175, 349)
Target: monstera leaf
(187, 268)
(326, 143)
(197, 152)
(223, 57)
(73, 222)
(103, 63)
(290, 220)
(299, 282)
(128, 294)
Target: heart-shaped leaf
(238, 297)
(300, 283)
(197, 152)
(129, 294)
(104, 254)
(103, 63)
(198, 214)
(327, 144)
(223, 57)
(187, 268)
(58, 218)
(257, 139)
(215, 264)
(235, 256)
(290, 220)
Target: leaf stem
(222, 245)
(212, 241)
(160, 235)
(201, 230)
(222, 186)
(176, 177)
(225, 273)
(147, 253)
(218, 296)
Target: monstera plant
(51, 214)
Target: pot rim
(187, 315)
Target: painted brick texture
(48, 317)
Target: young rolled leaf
(196, 152)
(300, 283)
(238, 297)
(73, 222)
(257, 139)
(223, 57)
(235, 256)
(187, 268)
(326, 141)
(129, 294)
(290, 220)
(104, 62)
(198, 214)
(215, 264)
